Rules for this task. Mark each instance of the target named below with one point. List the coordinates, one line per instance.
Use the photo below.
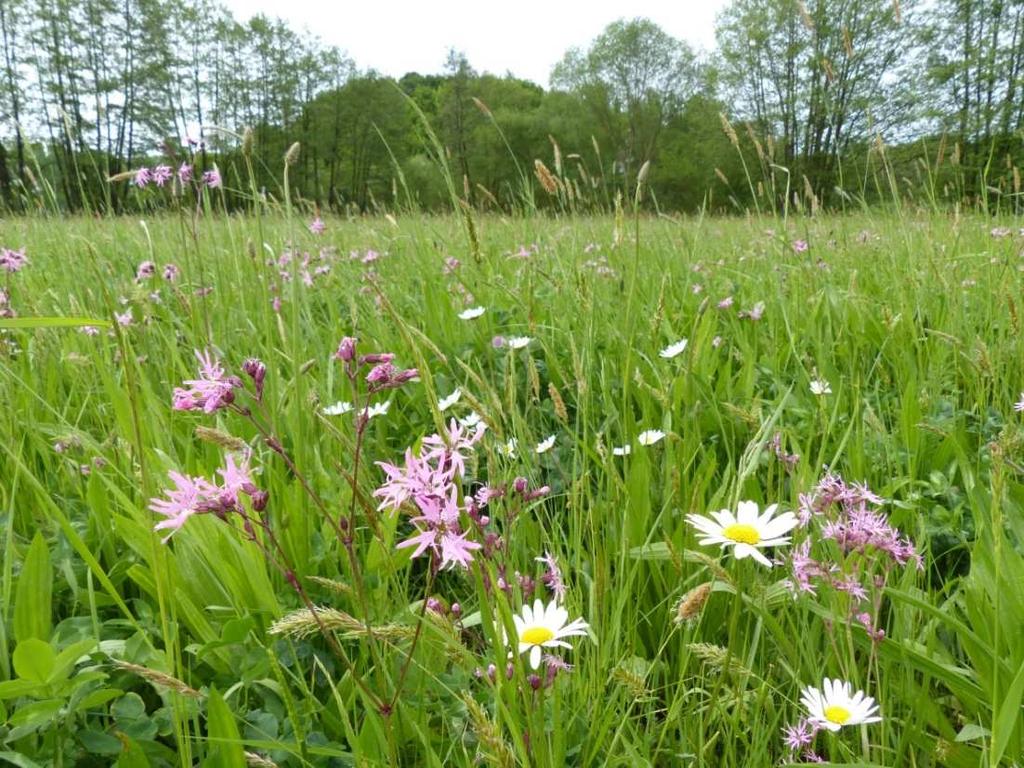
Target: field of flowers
(280, 490)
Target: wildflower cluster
(161, 175)
(428, 486)
(851, 547)
(197, 495)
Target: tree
(634, 78)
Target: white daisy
(622, 450)
(544, 627)
(820, 387)
(509, 448)
(745, 532)
(447, 402)
(673, 349)
(472, 420)
(546, 444)
(650, 437)
(836, 705)
(472, 313)
(518, 342)
(338, 409)
(379, 409)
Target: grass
(149, 654)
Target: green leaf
(972, 732)
(98, 698)
(33, 593)
(67, 658)
(225, 742)
(15, 689)
(128, 709)
(34, 660)
(18, 759)
(33, 715)
(1008, 718)
(12, 323)
(133, 755)
(99, 742)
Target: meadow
(296, 557)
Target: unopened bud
(346, 349)
(260, 499)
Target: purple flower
(161, 175)
(184, 173)
(346, 349)
(142, 178)
(145, 271)
(210, 392)
(124, 319)
(237, 479)
(800, 246)
(317, 226)
(498, 342)
(12, 260)
(725, 303)
(190, 496)
(800, 736)
(552, 577)
(438, 530)
(212, 178)
(171, 272)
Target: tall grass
(912, 317)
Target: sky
(525, 37)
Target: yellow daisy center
(741, 533)
(536, 635)
(836, 714)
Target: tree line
(803, 103)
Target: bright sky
(526, 37)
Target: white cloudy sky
(526, 37)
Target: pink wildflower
(317, 226)
(161, 175)
(212, 391)
(171, 272)
(212, 178)
(12, 260)
(800, 246)
(184, 173)
(142, 178)
(190, 496)
(145, 271)
(725, 303)
(552, 577)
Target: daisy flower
(1019, 405)
(472, 420)
(379, 409)
(544, 627)
(509, 448)
(745, 532)
(622, 450)
(472, 313)
(672, 350)
(835, 705)
(650, 437)
(518, 342)
(546, 445)
(447, 402)
(820, 387)
(338, 409)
